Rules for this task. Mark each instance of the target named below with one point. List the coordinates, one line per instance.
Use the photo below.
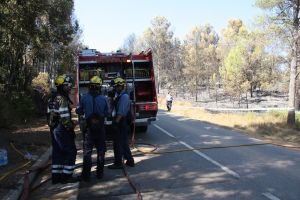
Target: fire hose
(27, 189)
(18, 168)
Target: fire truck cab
(136, 69)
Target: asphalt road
(195, 160)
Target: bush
(41, 83)
(24, 106)
(16, 109)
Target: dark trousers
(89, 143)
(63, 153)
(120, 143)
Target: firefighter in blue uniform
(121, 127)
(95, 108)
(62, 132)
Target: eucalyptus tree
(33, 33)
(62, 37)
(17, 31)
(283, 17)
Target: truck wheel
(142, 129)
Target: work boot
(56, 178)
(85, 174)
(130, 163)
(100, 168)
(85, 178)
(115, 166)
(66, 178)
(100, 175)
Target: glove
(69, 126)
(114, 123)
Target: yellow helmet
(63, 80)
(96, 80)
(119, 81)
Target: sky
(106, 24)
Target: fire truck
(136, 69)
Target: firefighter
(95, 108)
(121, 127)
(63, 135)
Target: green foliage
(16, 109)
(233, 72)
(23, 105)
(200, 61)
(35, 35)
(283, 16)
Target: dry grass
(271, 125)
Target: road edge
(15, 194)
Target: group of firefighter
(95, 107)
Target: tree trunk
(216, 93)
(247, 106)
(292, 87)
(158, 79)
(208, 90)
(292, 91)
(297, 100)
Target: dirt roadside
(270, 132)
(32, 137)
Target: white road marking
(161, 114)
(270, 196)
(257, 140)
(183, 119)
(163, 130)
(226, 169)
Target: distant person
(62, 132)
(121, 126)
(95, 108)
(169, 100)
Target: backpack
(95, 123)
(130, 113)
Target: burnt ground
(32, 137)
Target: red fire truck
(136, 69)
